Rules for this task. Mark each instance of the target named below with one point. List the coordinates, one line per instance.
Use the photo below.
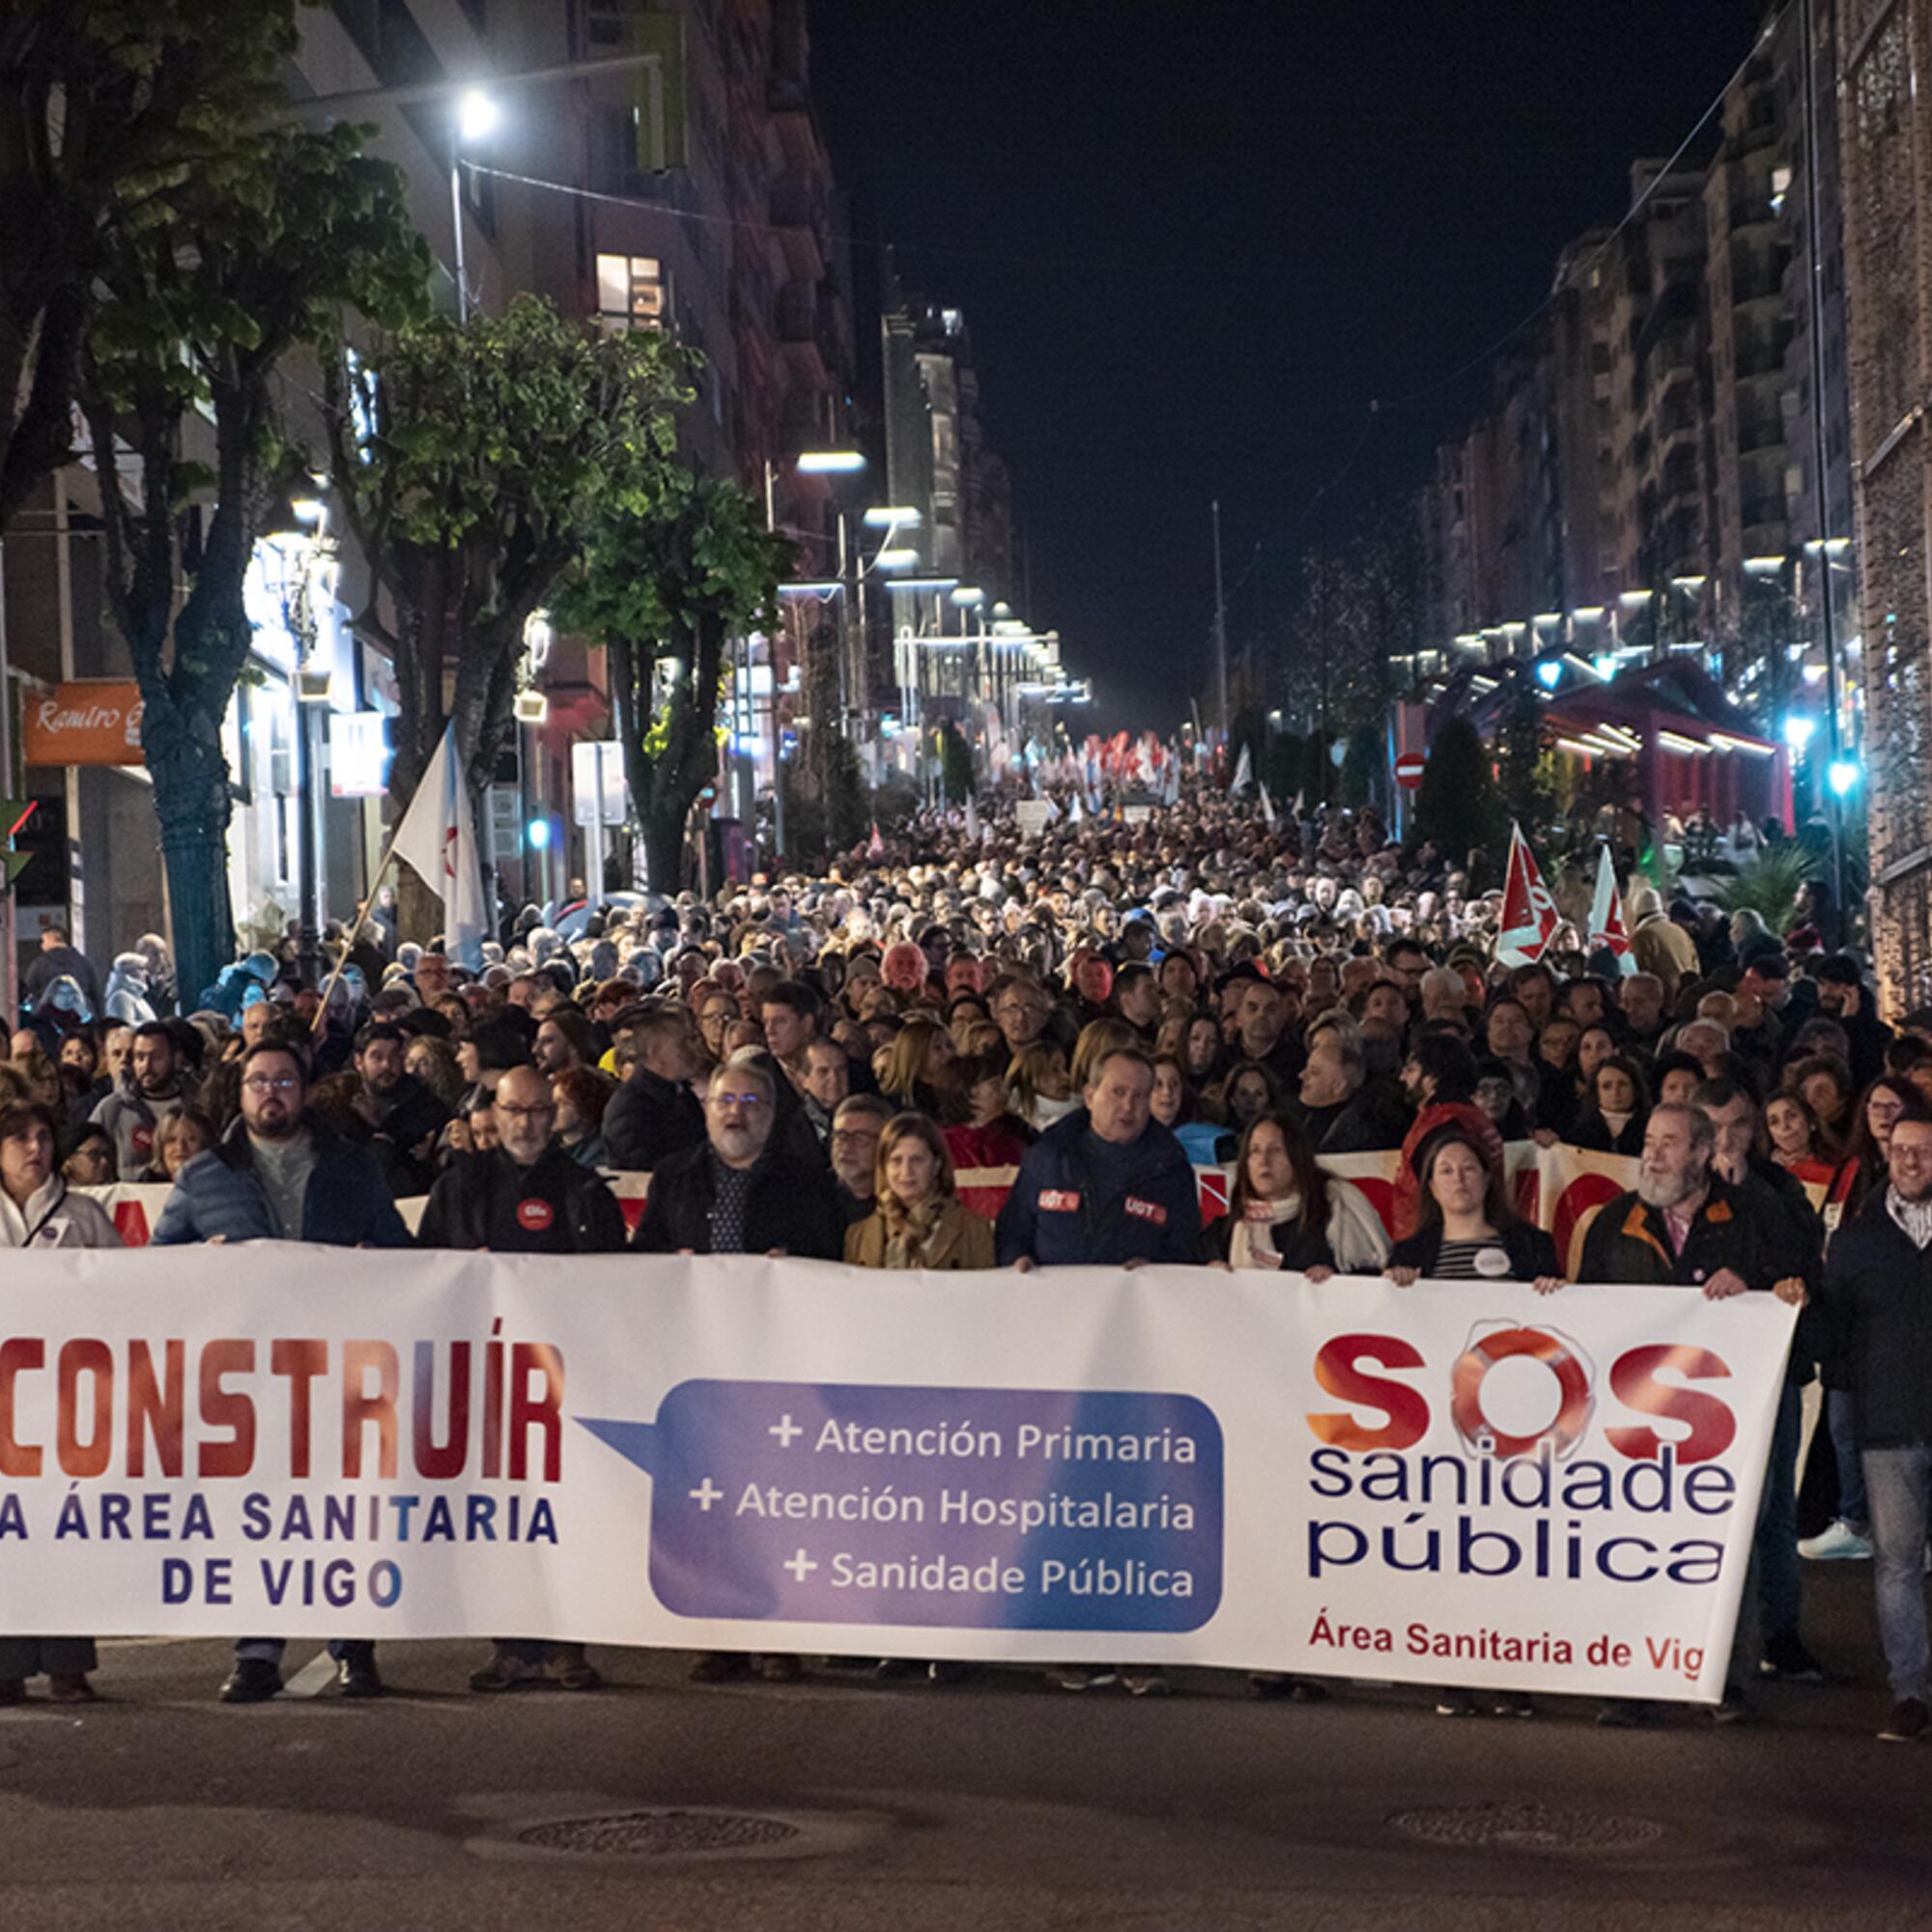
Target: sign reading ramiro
(90, 721)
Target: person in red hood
(1439, 1078)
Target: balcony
(797, 217)
(797, 310)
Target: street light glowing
(476, 115)
(968, 595)
(1548, 672)
(889, 519)
(1798, 731)
(895, 560)
(1843, 776)
(829, 463)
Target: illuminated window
(630, 292)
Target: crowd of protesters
(804, 1068)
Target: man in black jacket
(525, 1197)
(404, 1116)
(1874, 1320)
(737, 1193)
(654, 1113)
(1769, 1191)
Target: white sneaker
(1839, 1543)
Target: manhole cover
(661, 1833)
(1527, 1828)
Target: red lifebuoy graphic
(1484, 1352)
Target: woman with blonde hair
(918, 1221)
(1043, 1092)
(917, 1064)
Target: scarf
(1251, 1242)
(911, 1233)
(1914, 1216)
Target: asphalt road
(998, 1804)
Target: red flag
(877, 848)
(1529, 918)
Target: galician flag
(1607, 930)
(1529, 918)
(1244, 773)
(437, 839)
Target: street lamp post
(477, 117)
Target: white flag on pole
(1244, 773)
(972, 820)
(1267, 806)
(437, 839)
(1609, 932)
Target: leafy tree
(472, 461)
(668, 578)
(105, 110)
(232, 266)
(1458, 806)
(1524, 767)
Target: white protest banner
(1033, 815)
(1571, 1185)
(1453, 1482)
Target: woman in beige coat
(918, 1222)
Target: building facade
(1885, 103)
(1653, 477)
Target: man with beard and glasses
(281, 1174)
(739, 1192)
(1682, 1225)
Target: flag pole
(356, 927)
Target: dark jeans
(1775, 1553)
(22, 1657)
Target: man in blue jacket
(1108, 1186)
(280, 1175)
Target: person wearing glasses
(527, 1196)
(282, 1174)
(737, 1193)
(741, 1193)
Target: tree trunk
(664, 845)
(191, 801)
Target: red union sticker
(143, 1139)
(1146, 1210)
(535, 1215)
(1059, 1201)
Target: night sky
(1193, 238)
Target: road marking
(318, 1672)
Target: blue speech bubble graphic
(978, 1509)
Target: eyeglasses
(737, 1100)
(272, 1083)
